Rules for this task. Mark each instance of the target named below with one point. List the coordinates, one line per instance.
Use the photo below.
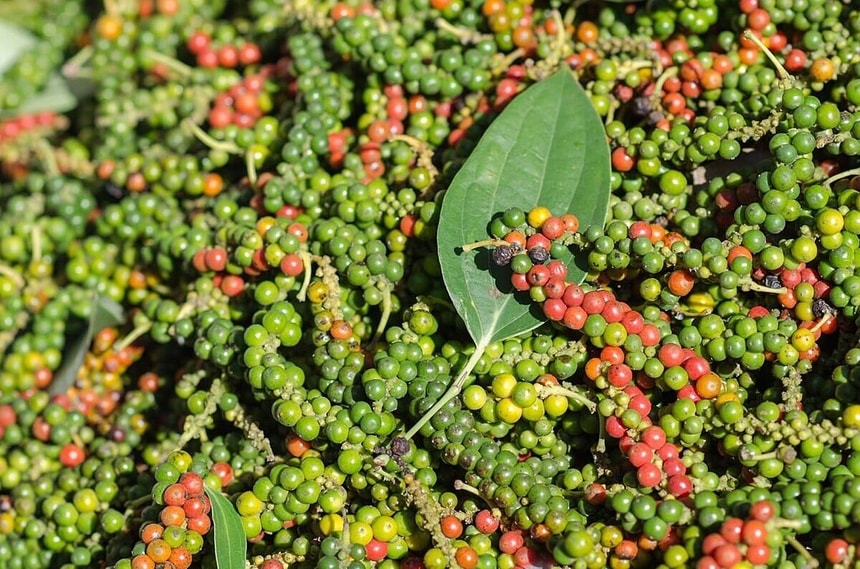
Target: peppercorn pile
(229, 336)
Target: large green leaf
(548, 147)
(229, 535)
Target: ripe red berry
(758, 554)
(174, 495)
(680, 485)
(511, 541)
(193, 483)
(292, 265)
(640, 454)
(649, 475)
(654, 437)
(573, 295)
(593, 302)
(754, 532)
(836, 550)
(554, 309)
(72, 455)
(619, 375)
(376, 550)
(731, 529)
(712, 542)
(763, 510)
(486, 522)
(552, 228)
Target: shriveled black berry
(503, 255)
(399, 446)
(538, 255)
(771, 281)
(820, 307)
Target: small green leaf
(16, 40)
(229, 535)
(105, 313)
(548, 147)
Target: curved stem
(37, 244)
(807, 556)
(484, 243)
(780, 70)
(212, 143)
(306, 261)
(465, 36)
(756, 287)
(12, 275)
(600, 447)
(251, 167)
(132, 336)
(545, 391)
(667, 74)
(460, 485)
(453, 391)
(824, 320)
(386, 313)
(171, 63)
(72, 67)
(836, 177)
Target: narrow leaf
(16, 40)
(229, 535)
(105, 313)
(56, 97)
(548, 147)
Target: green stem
(836, 177)
(212, 143)
(668, 73)
(453, 391)
(386, 313)
(545, 391)
(72, 67)
(600, 447)
(250, 166)
(171, 63)
(824, 320)
(195, 425)
(780, 70)
(306, 261)
(485, 243)
(460, 485)
(465, 36)
(129, 338)
(813, 562)
(12, 275)
(756, 287)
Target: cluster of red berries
(182, 521)
(218, 258)
(12, 128)
(243, 104)
(227, 55)
(740, 540)
(609, 323)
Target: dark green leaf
(16, 40)
(229, 535)
(105, 313)
(548, 147)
